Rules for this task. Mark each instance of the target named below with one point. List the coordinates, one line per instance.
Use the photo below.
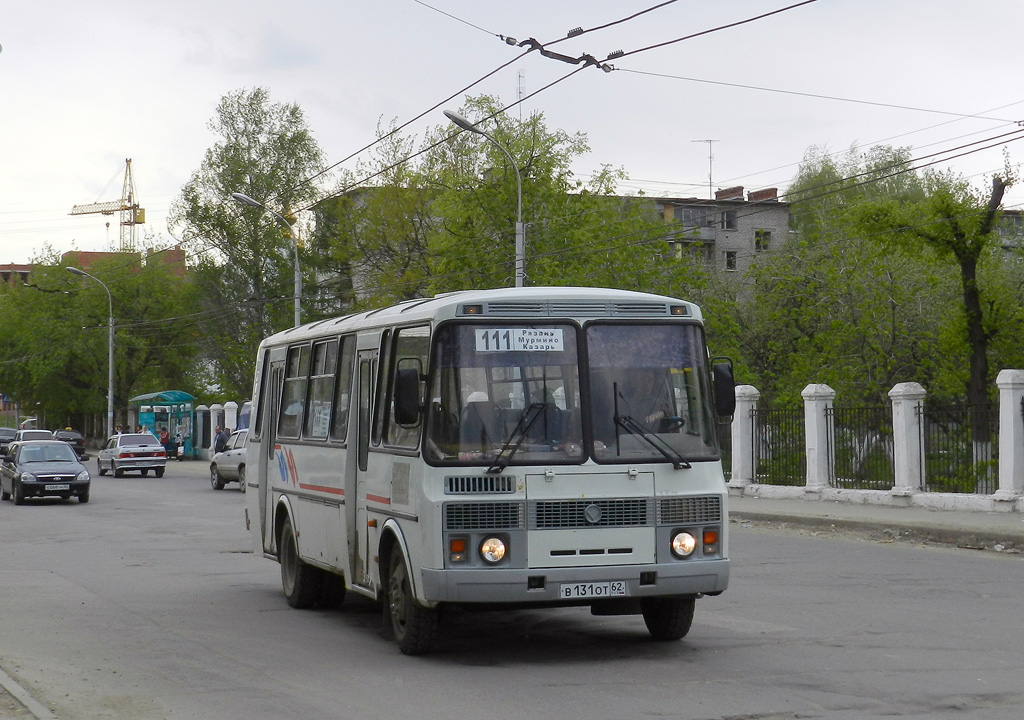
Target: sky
(86, 85)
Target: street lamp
(246, 200)
(520, 241)
(110, 347)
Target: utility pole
(711, 158)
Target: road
(148, 603)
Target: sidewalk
(998, 531)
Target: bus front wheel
(301, 582)
(413, 625)
(668, 618)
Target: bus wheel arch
(407, 621)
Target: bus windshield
(650, 398)
(511, 394)
(509, 386)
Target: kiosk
(173, 410)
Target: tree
(57, 331)
(956, 222)
(576, 233)
(443, 217)
(245, 268)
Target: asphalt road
(148, 602)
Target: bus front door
(268, 459)
(355, 492)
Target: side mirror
(407, 396)
(724, 387)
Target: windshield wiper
(511, 445)
(634, 428)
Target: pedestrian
(220, 439)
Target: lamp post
(250, 202)
(520, 240)
(110, 347)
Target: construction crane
(131, 213)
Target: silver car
(229, 464)
(140, 452)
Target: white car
(229, 464)
(140, 452)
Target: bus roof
(505, 303)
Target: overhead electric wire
(964, 116)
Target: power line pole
(711, 159)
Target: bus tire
(332, 590)
(668, 618)
(412, 625)
(300, 582)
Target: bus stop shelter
(171, 410)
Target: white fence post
(818, 400)
(908, 449)
(230, 415)
(743, 436)
(1011, 438)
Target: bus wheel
(301, 582)
(332, 590)
(413, 625)
(668, 618)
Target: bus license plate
(58, 487)
(615, 588)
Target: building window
(728, 219)
(762, 240)
(729, 258)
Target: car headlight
(28, 477)
(683, 544)
(493, 550)
(83, 476)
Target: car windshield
(46, 453)
(36, 435)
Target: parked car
(229, 464)
(6, 436)
(32, 434)
(72, 438)
(42, 468)
(140, 452)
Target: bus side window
(343, 389)
(410, 348)
(294, 397)
(321, 390)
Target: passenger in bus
(480, 424)
(644, 396)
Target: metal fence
(862, 449)
(961, 448)
(780, 456)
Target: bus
(540, 446)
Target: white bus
(539, 446)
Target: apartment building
(729, 231)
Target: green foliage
(872, 289)
(56, 357)
(245, 268)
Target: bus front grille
(689, 510)
(483, 516)
(478, 484)
(604, 512)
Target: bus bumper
(562, 585)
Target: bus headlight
(493, 550)
(683, 544)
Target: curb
(19, 693)
(998, 540)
